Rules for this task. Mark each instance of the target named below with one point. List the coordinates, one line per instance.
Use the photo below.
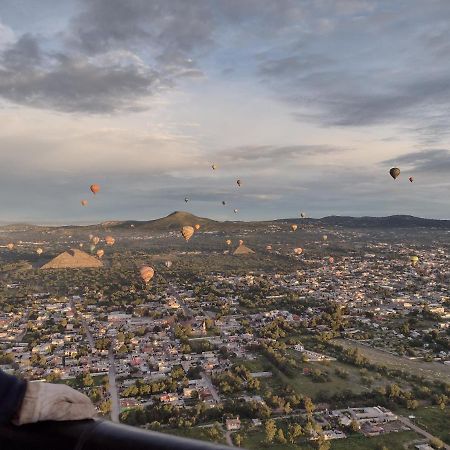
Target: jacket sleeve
(12, 391)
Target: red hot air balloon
(95, 188)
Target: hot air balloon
(239, 182)
(91, 236)
(394, 172)
(100, 253)
(81, 245)
(95, 240)
(109, 240)
(186, 199)
(10, 246)
(187, 232)
(241, 242)
(224, 202)
(95, 188)
(411, 179)
(298, 251)
(236, 211)
(168, 264)
(331, 260)
(302, 215)
(325, 237)
(228, 242)
(39, 251)
(92, 248)
(84, 202)
(414, 260)
(214, 167)
(147, 273)
(132, 225)
(268, 247)
(294, 227)
(197, 226)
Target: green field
(432, 370)
(433, 420)
(304, 384)
(254, 440)
(392, 441)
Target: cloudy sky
(309, 102)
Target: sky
(308, 102)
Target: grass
(433, 420)
(304, 384)
(432, 370)
(392, 441)
(192, 433)
(254, 440)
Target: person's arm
(12, 393)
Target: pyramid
(73, 259)
(243, 250)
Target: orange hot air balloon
(331, 260)
(109, 240)
(95, 188)
(294, 227)
(95, 240)
(187, 232)
(84, 202)
(39, 251)
(411, 179)
(10, 246)
(147, 273)
(197, 226)
(241, 242)
(239, 182)
(100, 253)
(298, 251)
(228, 241)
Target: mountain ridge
(177, 219)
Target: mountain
(173, 221)
(178, 219)
(385, 222)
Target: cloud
(430, 160)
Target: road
(212, 389)
(88, 333)
(228, 438)
(115, 406)
(418, 430)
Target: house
(233, 424)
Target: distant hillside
(173, 221)
(385, 222)
(178, 219)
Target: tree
(308, 405)
(271, 430)
(280, 436)
(436, 443)
(295, 431)
(238, 439)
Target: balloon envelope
(187, 232)
(228, 241)
(298, 251)
(95, 240)
(10, 246)
(147, 273)
(109, 240)
(168, 264)
(84, 202)
(197, 226)
(394, 172)
(411, 179)
(100, 253)
(293, 227)
(239, 182)
(39, 251)
(95, 188)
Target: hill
(397, 221)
